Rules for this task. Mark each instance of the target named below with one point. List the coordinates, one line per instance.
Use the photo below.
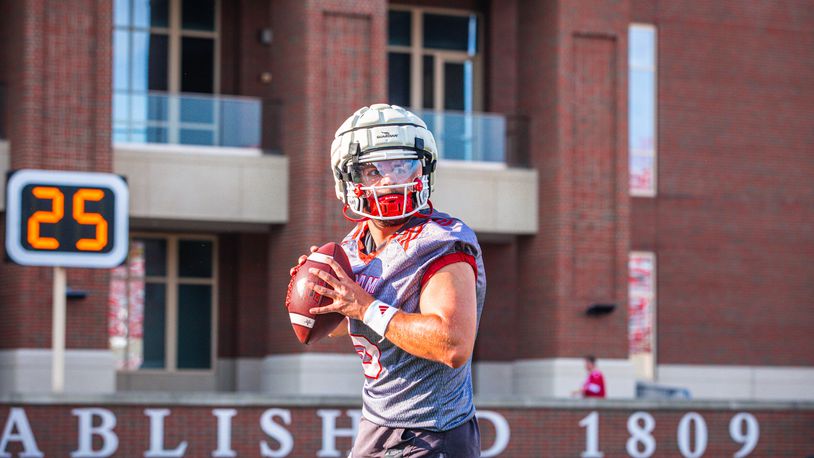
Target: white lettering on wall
(502, 432)
(690, 421)
(110, 441)
(224, 433)
(749, 437)
(157, 449)
(276, 432)
(641, 436)
(17, 420)
(330, 432)
(591, 425)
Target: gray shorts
(374, 441)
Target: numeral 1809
(692, 435)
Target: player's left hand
(349, 298)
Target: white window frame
(417, 52)
(172, 281)
(654, 69)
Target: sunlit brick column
(58, 85)
(329, 60)
(572, 73)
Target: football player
(414, 305)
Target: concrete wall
(490, 199)
(213, 184)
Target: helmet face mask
(387, 190)
(383, 159)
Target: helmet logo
(385, 135)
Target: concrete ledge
(492, 378)
(321, 374)
(204, 184)
(28, 370)
(262, 400)
(740, 382)
(558, 377)
(490, 198)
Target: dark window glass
(196, 137)
(155, 256)
(155, 135)
(158, 62)
(400, 26)
(158, 108)
(428, 82)
(154, 325)
(197, 65)
(198, 14)
(194, 326)
(159, 13)
(457, 33)
(197, 109)
(454, 86)
(195, 258)
(398, 78)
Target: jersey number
(369, 353)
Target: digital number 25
(57, 212)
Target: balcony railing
(186, 119)
(482, 137)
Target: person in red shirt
(594, 386)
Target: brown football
(300, 299)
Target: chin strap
(427, 216)
(353, 220)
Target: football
(300, 299)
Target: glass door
(449, 82)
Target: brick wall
(331, 62)
(496, 334)
(570, 80)
(59, 79)
(733, 223)
(550, 431)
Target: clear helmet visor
(383, 173)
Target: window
(162, 304)
(163, 47)
(641, 312)
(642, 109)
(434, 64)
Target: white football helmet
(383, 160)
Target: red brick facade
(58, 78)
(732, 225)
(532, 432)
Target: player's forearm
(429, 337)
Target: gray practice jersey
(402, 390)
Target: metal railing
(481, 137)
(193, 119)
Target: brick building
(639, 173)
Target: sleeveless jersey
(402, 390)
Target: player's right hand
(301, 260)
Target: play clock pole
(58, 332)
(65, 219)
